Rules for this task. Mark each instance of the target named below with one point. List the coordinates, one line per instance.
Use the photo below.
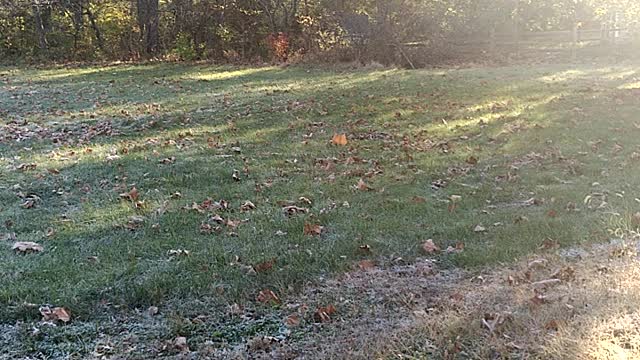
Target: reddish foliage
(279, 45)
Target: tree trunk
(40, 26)
(148, 19)
(96, 29)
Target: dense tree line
(258, 30)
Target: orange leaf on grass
(339, 139)
(55, 314)
(313, 229)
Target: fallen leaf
(26, 167)
(472, 160)
(418, 200)
(312, 229)
(551, 325)
(247, 206)
(455, 250)
(132, 195)
(55, 314)
(27, 247)
(430, 247)
(366, 265)
(292, 320)
(323, 314)
(180, 343)
(479, 229)
(294, 210)
(362, 186)
(178, 252)
(236, 175)
(453, 202)
(339, 139)
(538, 299)
(548, 244)
(268, 296)
(264, 266)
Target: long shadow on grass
(133, 267)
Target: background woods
(408, 32)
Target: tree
(148, 22)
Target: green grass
(552, 128)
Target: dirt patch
(577, 303)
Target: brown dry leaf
(27, 247)
(180, 343)
(339, 139)
(548, 244)
(472, 160)
(430, 247)
(552, 325)
(167, 161)
(132, 195)
(418, 200)
(323, 314)
(264, 266)
(233, 223)
(366, 265)
(292, 320)
(457, 249)
(552, 213)
(26, 167)
(268, 296)
(247, 206)
(313, 229)
(55, 314)
(217, 219)
(538, 299)
(362, 186)
(294, 210)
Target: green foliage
(217, 29)
(183, 48)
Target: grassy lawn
(498, 162)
